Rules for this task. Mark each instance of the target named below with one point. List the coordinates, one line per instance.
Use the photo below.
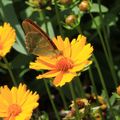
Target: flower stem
(3, 65)
(92, 81)
(106, 52)
(104, 86)
(74, 99)
(10, 71)
(58, 19)
(111, 64)
(81, 91)
(51, 100)
(63, 98)
(79, 29)
(95, 89)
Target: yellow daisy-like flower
(7, 38)
(64, 67)
(17, 103)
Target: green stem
(103, 85)
(108, 48)
(58, 19)
(95, 89)
(92, 81)
(79, 30)
(63, 98)
(45, 20)
(10, 71)
(81, 91)
(74, 99)
(51, 100)
(3, 65)
(105, 51)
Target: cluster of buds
(41, 4)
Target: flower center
(64, 64)
(14, 110)
(1, 46)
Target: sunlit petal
(67, 77)
(7, 38)
(49, 74)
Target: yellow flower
(7, 38)
(17, 103)
(64, 68)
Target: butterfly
(37, 41)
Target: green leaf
(116, 95)
(97, 20)
(117, 117)
(8, 14)
(27, 12)
(110, 19)
(50, 29)
(95, 8)
(112, 99)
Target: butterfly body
(37, 41)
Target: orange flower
(17, 103)
(7, 38)
(64, 67)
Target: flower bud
(103, 106)
(118, 90)
(70, 20)
(101, 100)
(84, 5)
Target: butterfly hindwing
(37, 41)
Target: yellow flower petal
(59, 42)
(67, 77)
(77, 46)
(67, 48)
(43, 63)
(80, 67)
(7, 38)
(50, 74)
(84, 54)
(5, 92)
(57, 79)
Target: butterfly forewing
(37, 41)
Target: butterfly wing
(37, 41)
